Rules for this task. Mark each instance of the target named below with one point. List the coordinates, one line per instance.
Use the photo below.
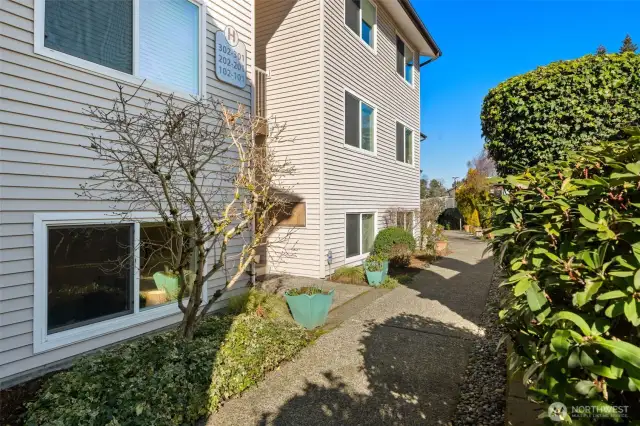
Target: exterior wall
(42, 164)
(356, 181)
(288, 47)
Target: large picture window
(404, 143)
(162, 45)
(404, 60)
(360, 233)
(360, 17)
(94, 276)
(359, 121)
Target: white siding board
(42, 164)
(356, 181)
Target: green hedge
(544, 114)
(160, 380)
(395, 244)
(568, 234)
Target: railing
(261, 92)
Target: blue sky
(486, 42)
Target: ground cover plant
(163, 380)
(544, 114)
(568, 235)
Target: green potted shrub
(374, 269)
(309, 305)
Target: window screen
(408, 146)
(367, 124)
(97, 31)
(89, 275)
(352, 15)
(352, 120)
(399, 142)
(400, 56)
(408, 55)
(169, 43)
(368, 232)
(368, 22)
(353, 235)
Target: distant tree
(423, 188)
(628, 45)
(601, 50)
(483, 164)
(436, 188)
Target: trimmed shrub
(161, 380)
(542, 115)
(568, 234)
(395, 244)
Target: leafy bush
(395, 244)
(163, 381)
(349, 274)
(544, 114)
(266, 304)
(251, 349)
(569, 236)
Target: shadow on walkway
(407, 372)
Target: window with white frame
(95, 276)
(359, 122)
(360, 233)
(360, 17)
(404, 143)
(156, 40)
(404, 220)
(404, 60)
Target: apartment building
(344, 75)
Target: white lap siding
(288, 47)
(355, 181)
(42, 164)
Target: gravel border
(482, 399)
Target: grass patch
(389, 283)
(349, 275)
(164, 381)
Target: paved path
(399, 360)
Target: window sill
(356, 259)
(373, 50)
(407, 165)
(106, 72)
(92, 331)
(361, 150)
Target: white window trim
(404, 76)
(360, 256)
(359, 149)
(373, 49)
(413, 148)
(44, 342)
(66, 59)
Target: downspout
(253, 114)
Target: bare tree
(214, 187)
(483, 164)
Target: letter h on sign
(231, 35)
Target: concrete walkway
(398, 361)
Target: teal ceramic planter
(310, 311)
(170, 284)
(374, 278)
(385, 269)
